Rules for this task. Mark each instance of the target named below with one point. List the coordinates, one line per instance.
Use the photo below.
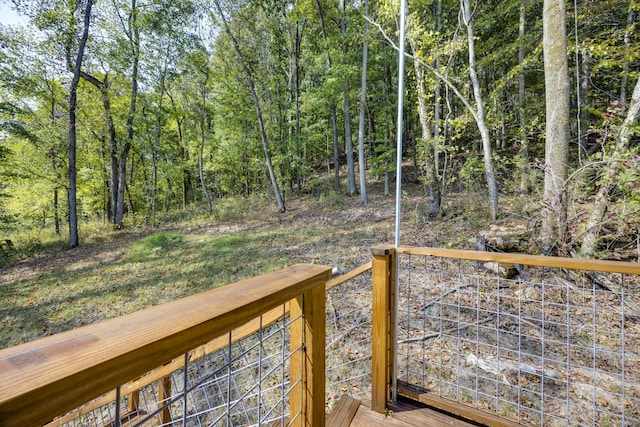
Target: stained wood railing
(48, 377)
(490, 346)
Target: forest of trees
(120, 109)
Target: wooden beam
(307, 397)
(537, 260)
(348, 276)
(383, 316)
(164, 395)
(48, 377)
(453, 407)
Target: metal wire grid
(244, 383)
(548, 347)
(348, 338)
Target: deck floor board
(405, 414)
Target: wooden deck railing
(48, 377)
(518, 339)
(51, 376)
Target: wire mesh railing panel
(240, 383)
(348, 338)
(542, 346)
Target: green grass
(158, 268)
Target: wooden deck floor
(405, 413)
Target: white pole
(403, 7)
(394, 376)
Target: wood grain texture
(407, 414)
(344, 412)
(48, 377)
(382, 323)
(307, 374)
(454, 408)
(538, 260)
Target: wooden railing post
(164, 395)
(307, 398)
(383, 270)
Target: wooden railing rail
(237, 334)
(48, 377)
(536, 260)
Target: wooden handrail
(50, 376)
(537, 260)
(249, 328)
(195, 354)
(348, 276)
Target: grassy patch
(155, 269)
(155, 245)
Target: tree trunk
(332, 105)
(336, 148)
(594, 223)
(427, 137)
(158, 134)
(437, 107)
(296, 71)
(556, 73)
(524, 141)
(256, 102)
(482, 126)
(627, 46)
(134, 40)
(73, 104)
(363, 101)
(348, 139)
(202, 141)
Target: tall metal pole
(403, 8)
(394, 376)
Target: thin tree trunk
(625, 67)
(158, 134)
(437, 108)
(427, 137)
(256, 102)
(584, 106)
(363, 101)
(524, 141)
(482, 126)
(296, 59)
(134, 39)
(332, 105)
(348, 139)
(556, 73)
(594, 223)
(336, 148)
(73, 104)
(202, 141)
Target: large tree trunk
(482, 125)
(256, 102)
(73, 104)
(556, 74)
(608, 181)
(363, 103)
